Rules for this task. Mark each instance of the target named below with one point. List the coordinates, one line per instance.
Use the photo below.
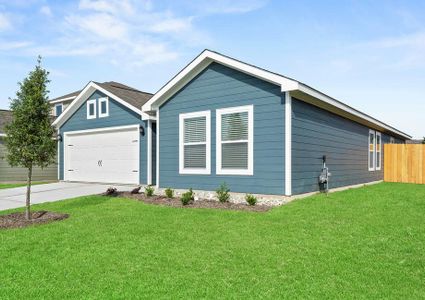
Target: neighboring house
(61, 103)
(222, 120)
(7, 173)
(102, 137)
(415, 142)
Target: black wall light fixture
(142, 130)
(59, 138)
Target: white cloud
(45, 10)
(5, 45)
(100, 25)
(172, 25)
(228, 6)
(111, 6)
(5, 23)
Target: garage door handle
(135, 171)
(99, 163)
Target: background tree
(29, 136)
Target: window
(103, 107)
(91, 109)
(195, 143)
(371, 159)
(58, 109)
(234, 133)
(378, 156)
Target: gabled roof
(296, 88)
(66, 97)
(125, 95)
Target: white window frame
(219, 142)
(378, 168)
(56, 112)
(89, 102)
(199, 171)
(101, 100)
(374, 150)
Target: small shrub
(149, 191)
(111, 191)
(223, 193)
(169, 193)
(187, 197)
(251, 199)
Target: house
(220, 120)
(61, 103)
(9, 173)
(223, 120)
(102, 137)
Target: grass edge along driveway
(361, 243)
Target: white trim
(378, 168)
(106, 100)
(90, 102)
(157, 149)
(89, 89)
(59, 153)
(149, 153)
(56, 105)
(112, 128)
(223, 111)
(62, 99)
(200, 171)
(368, 150)
(90, 131)
(288, 144)
(286, 84)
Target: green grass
(363, 243)
(13, 185)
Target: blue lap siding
(316, 132)
(220, 87)
(119, 115)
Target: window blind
(195, 152)
(234, 136)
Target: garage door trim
(91, 131)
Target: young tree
(29, 137)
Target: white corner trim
(149, 153)
(371, 132)
(90, 102)
(288, 144)
(101, 100)
(59, 153)
(157, 149)
(219, 142)
(200, 171)
(378, 163)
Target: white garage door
(110, 156)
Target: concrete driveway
(15, 197)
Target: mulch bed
(201, 203)
(17, 220)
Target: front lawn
(13, 185)
(363, 243)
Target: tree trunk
(28, 199)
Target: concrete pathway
(15, 197)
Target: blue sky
(369, 54)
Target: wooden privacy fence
(404, 163)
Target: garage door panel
(107, 156)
